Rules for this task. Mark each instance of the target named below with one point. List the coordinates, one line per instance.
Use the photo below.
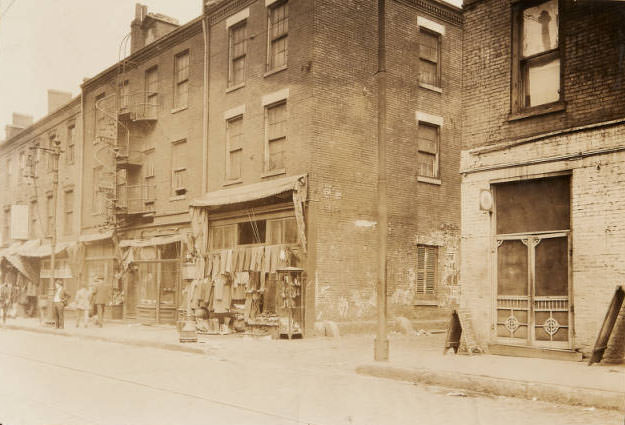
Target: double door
(533, 300)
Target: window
(21, 163)
(50, 215)
(149, 176)
(124, 95)
(427, 258)
(36, 159)
(151, 92)
(51, 156)
(277, 31)
(238, 52)
(428, 149)
(275, 130)
(252, 232)
(6, 226)
(71, 144)
(536, 56)
(181, 78)
(68, 219)
(97, 200)
(9, 175)
(223, 236)
(234, 148)
(282, 231)
(429, 57)
(34, 225)
(178, 168)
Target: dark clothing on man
(59, 313)
(101, 297)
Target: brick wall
(592, 41)
(597, 225)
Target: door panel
(512, 289)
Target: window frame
(267, 107)
(178, 83)
(68, 212)
(71, 144)
(230, 149)
(436, 166)
(124, 95)
(439, 37)
(271, 39)
(520, 65)
(151, 96)
(50, 225)
(424, 292)
(182, 190)
(242, 25)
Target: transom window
(536, 55)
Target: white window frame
(434, 121)
(176, 171)
(272, 5)
(273, 100)
(232, 149)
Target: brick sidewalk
(416, 359)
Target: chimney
(56, 99)
(20, 122)
(137, 37)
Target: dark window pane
(552, 268)
(533, 205)
(252, 232)
(512, 268)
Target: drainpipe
(381, 348)
(205, 96)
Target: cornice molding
(444, 13)
(225, 9)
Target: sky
(54, 44)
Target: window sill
(431, 87)
(232, 182)
(234, 88)
(537, 111)
(274, 71)
(429, 180)
(273, 173)
(177, 197)
(176, 110)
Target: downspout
(205, 95)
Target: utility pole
(381, 348)
(55, 152)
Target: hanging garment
(267, 259)
(228, 267)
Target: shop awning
(28, 247)
(157, 240)
(251, 192)
(95, 237)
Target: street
(60, 380)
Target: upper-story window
(34, 222)
(6, 226)
(68, 213)
(21, 166)
(238, 52)
(428, 138)
(234, 147)
(429, 57)
(536, 55)
(124, 95)
(50, 215)
(71, 144)
(181, 79)
(277, 35)
(179, 168)
(275, 130)
(151, 92)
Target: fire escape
(122, 120)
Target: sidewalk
(556, 381)
(417, 359)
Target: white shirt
(58, 294)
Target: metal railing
(136, 199)
(140, 105)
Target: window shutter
(430, 270)
(420, 270)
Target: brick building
(28, 199)
(261, 116)
(542, 165)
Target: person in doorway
(100, 298)
(60, 300)
(5, 299)
(83, 305)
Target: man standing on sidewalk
(83, 303)
(101, 297)
(5, 299)
(60, 298)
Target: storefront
(152, 278)
(242, 238)
(100, 260)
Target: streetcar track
(161, 389)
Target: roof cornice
(224, 9)
(445, 12)
(170, 39)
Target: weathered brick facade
(583, 138)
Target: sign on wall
(19, 221)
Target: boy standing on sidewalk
(82, 301)
(60, 299)
(101, 297)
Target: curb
(125, 341)
(562, 394)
